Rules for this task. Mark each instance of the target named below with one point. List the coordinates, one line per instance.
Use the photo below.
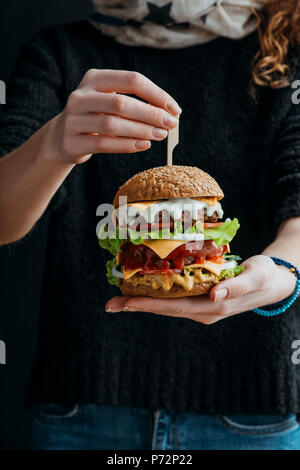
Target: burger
(168, 239)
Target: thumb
(253, 279)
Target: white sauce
(175, 208)
(191, 237)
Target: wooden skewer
(173, 139)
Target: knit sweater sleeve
(286, 163)
(34, 96)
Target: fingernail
(170, 121)
(159, 133)
(173, 107)
(220, 294)
(142, 144)
(109, 309)
(130, 309)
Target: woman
(134, 380)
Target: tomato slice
(217, 259)
(212, 224)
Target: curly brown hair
(279, 36)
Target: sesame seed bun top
(167, 182)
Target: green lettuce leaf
(238, 270)
(113, 244)
(230, 257)
(110, 244)
(224, 233)
(115, 281)
(221, 234)
(228, 273)
(196, 228)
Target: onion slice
(117, 273)
(229, 265)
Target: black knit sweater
(84, 355)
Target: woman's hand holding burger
(100, 118)
(262, 283)
(181, 278)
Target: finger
(131, 108)
(116, 304)
(125, 81)
(198, 309)
(253, 279)
(180, 307)
(89, 144)
(114, 125)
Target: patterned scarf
(174, 24)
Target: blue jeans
(85, 427)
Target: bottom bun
(176, 291)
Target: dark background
(21, 265)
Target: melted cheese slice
(140, 205)
(128, 273)
(163, 247)
(214, 268)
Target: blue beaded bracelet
(280, 307)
